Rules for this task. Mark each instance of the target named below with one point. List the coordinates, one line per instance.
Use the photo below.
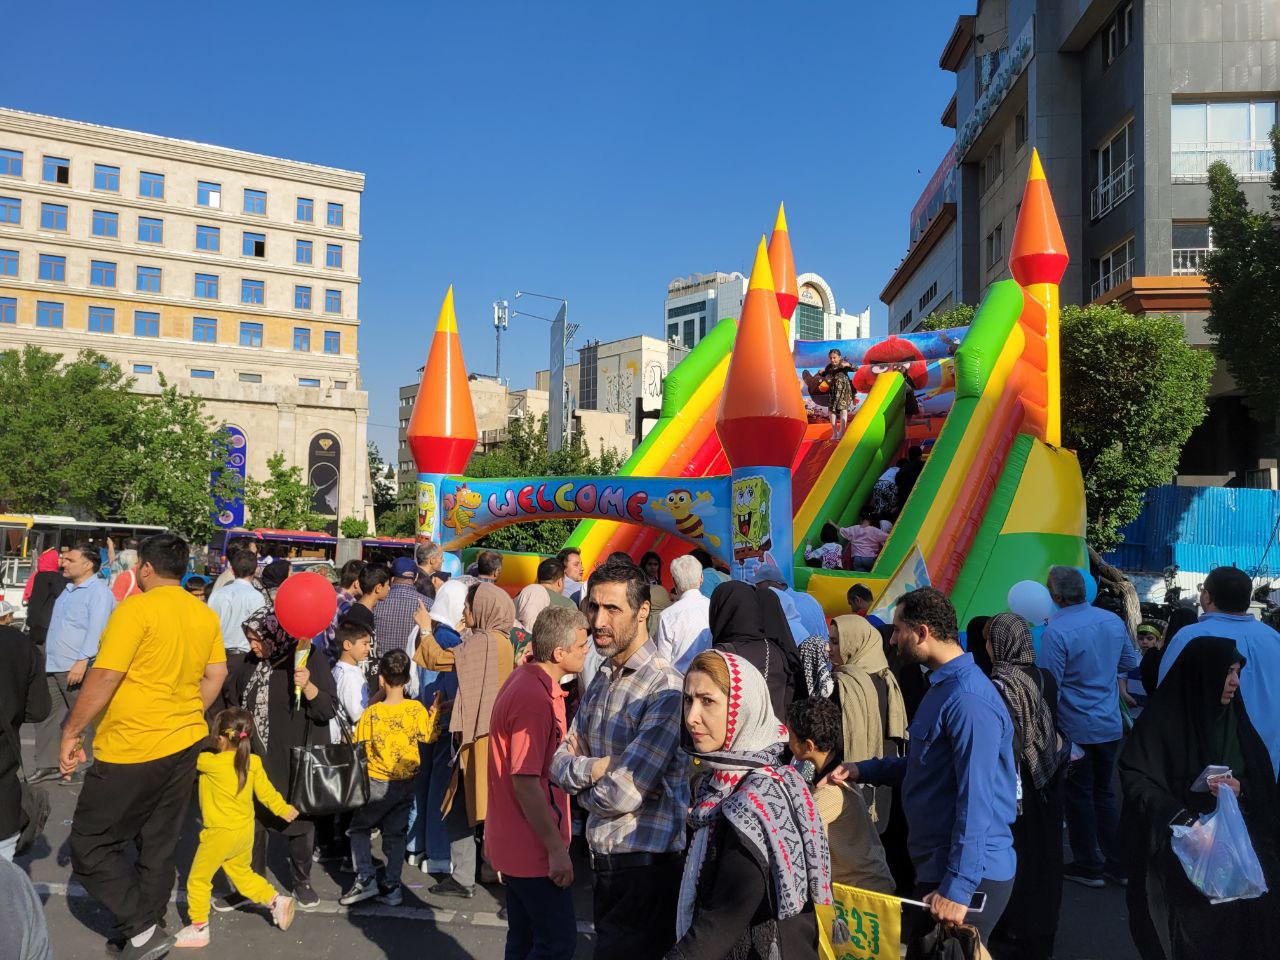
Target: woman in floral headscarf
(263, 681)
(758, 861)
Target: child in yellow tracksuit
(231, 777)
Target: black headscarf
(772, 617)
(275, 573)
(749, 621)
(1013, 671)
(1185, 729)
(976, 643)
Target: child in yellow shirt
(391, 730)
(230, 778)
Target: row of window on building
(199, 373)
(687, 340)
(103, 275)
(208, 239)
(146, 323)
(151, 186)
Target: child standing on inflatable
(837, 375)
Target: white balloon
(1030, 600)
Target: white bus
(23, 537)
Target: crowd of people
(723, 750)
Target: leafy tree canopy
(1243, 273)
(957, 315)
(525, 454)
(400, 522)
(353, 528)
(282, 500)
(1133, 390)
(74, 438)
(383, 484)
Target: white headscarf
(763, 799)
(450, 600)
(530, 602)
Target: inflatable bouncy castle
(742, 462)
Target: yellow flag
(859, 925)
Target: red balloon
(305, 605)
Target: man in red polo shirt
(527, 830)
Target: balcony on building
(1248, 159)
(1237, 133)
(1114, 268)
(1192, 244)
(1112, 189)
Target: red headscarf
(47, 562)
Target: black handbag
(328, 778)
(34, 800)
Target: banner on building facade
(324, 469)
(230, 513)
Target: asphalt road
(1093, 923)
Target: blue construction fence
(1200, 528)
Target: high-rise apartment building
(695, 304)
(234, 275)
(1128, 102)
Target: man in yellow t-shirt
(160, 665)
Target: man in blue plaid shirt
(394, 615)
(623, 762)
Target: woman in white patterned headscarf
(758, 860)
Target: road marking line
(332, 907)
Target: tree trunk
(1117, 581)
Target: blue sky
(593, 150)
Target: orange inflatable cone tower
(783, 266)
(761, 423)
(442, 428)
(1037, 260)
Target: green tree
(283, 500)
(176, 450)
(353, 528)
(383, 482)
(74, 437)
(399, 522)
(1243, 273)
(1133, 390)
(525, 454)
(65, 429)
(957, 315)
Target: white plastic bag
(1217, 854)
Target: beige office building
(234, 275)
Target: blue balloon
(1090, 585)
(451, 565)
(1030, 600)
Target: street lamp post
(562, 332)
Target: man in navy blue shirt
(958, 779)
(1086, 649)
